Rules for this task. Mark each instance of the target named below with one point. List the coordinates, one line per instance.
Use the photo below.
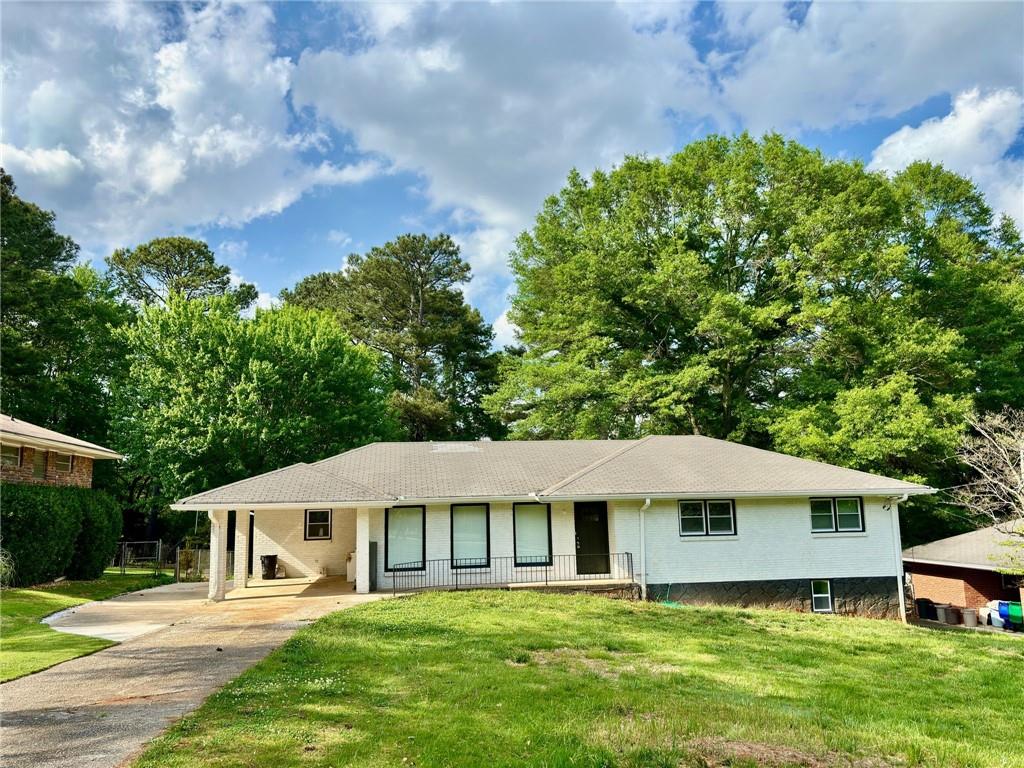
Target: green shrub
(39, 525)
(98, 536)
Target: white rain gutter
(643, 549)
(897, 543)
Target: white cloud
(849, 62)
(505, 332)
(492, 105)
(339, 237)
(973, 139)
(49, 166)
(145, 120)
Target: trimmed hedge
(52, 531)
(98, 537)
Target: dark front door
(592, 537)
(252, 532)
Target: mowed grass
(28, 646)
(496, 678)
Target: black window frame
(834, 501)
(515, 549)
(21, 452)
(831, 597)
(423, 538)
(707, 532)
(330, 525)
(451, 535)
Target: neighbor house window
(10, 456)
(318, 524)
(531, 530)
(470, 535)
(836, 515)
(821, 596)
(714, 517)
(405, 538)
(39, 464)
(62, 462)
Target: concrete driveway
(177, 649)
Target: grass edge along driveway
(27, 645)
(497, 678)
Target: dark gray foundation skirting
(873, 596)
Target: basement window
(63, 462)
(821, 596)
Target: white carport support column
(362, 550)
(218, 552)
(242, 545)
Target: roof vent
(454, 448)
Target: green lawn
(27, 646)
(496, 678)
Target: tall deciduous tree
(210, 397)
(153, 271)
(59, 351)
(757, 291)
(403, 300)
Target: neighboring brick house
(34, 455)
(964, 570)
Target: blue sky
(290, 135)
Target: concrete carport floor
(178, 648)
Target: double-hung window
(531, 529)
(821, 596)
(405, 539)
(470, 536)
(837, 515)
(318, 524)
(713, 517)
(62, 462)
(10, 455)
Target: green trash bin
(1015, 614)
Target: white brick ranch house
(684, 517)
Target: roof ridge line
(244, 479)
(594, 465)
(362, 486)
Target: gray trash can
(970, 617)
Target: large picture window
(837, 515)
(470, 536)
(531, 529)
(714, 517)
(318, 524)
(405, 539)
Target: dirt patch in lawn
(721, 753)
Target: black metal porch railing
(504, 571)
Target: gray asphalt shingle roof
(662, 465)
(984, 549)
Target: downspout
(643, 548)
(895, 502)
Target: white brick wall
(281, 533)
(773, 541)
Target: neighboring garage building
(965, 570)
(34, 455)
